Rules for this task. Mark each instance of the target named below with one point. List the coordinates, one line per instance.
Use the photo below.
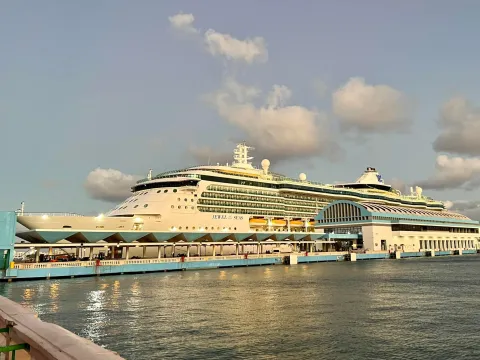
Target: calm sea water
(402, 309)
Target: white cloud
(183, 22)
(454, 173)
(248, 50)
(241, 92)
(448, 204)
(370, 108)
(460, 126)
(277, 130)
(279, 95)
(109, 184)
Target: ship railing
(264, 256)
(322, 253)
(63, 264)
(47, 214)
(27, 266)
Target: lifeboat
(279, 222)
(296, 223)
(258, 222)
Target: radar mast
(240, 156)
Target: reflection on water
(418, 309)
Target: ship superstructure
(235, 197)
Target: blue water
(382, 309)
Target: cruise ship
(236, 197)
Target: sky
(95, 93)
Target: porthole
(179, 207)
(173, 206)
(158, 191)
(186, 199)
(192, 200)
(135, 206)
(165, 191)
(178, 199)
(180, 228)
(193, 207)
(186, 207)
(234, 228)
(146, 205)
(174, 190)
(186, 227)
(193, 227)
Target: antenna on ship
(240, 155)
(149, 176)
(22, 207)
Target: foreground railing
(22, 331)
(47, 214)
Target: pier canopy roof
(349, 211)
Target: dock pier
(106, 255)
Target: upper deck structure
(236, 198)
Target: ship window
(186, 200)
(178, 199)
(135, 206)
(67, 227)
(173, 206)
(186, 207)
(158, 191)
(174, 190)
(186, 227)
(192, 207)
(165, 191)
(146, 205)
(179, 207)
(180, 228)
(192, 200)
(234, 228)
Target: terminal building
(379, 227)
